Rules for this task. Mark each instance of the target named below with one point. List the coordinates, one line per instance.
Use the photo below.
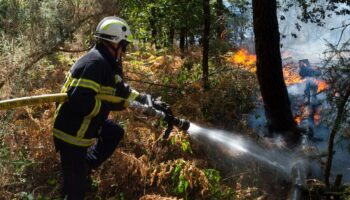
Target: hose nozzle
(182, 124)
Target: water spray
(235, 143)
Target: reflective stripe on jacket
(78, 120)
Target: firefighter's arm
(83, 90)
(124, 91)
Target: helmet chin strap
(115, 49)
(121, 45)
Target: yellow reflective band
(67, 83)
(109, 98)
(107, 90)
(87, 119)
(56, 111)
(132, 97)
(86, 83)
(71, 139)
(110, 22)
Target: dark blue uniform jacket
(78, 120)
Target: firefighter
(83, 134)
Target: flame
(291, 76)
(297, 119)
(285, 54)
(321, 85)
(244, 60)
(317, 115)
(317, 118)
(242, 57)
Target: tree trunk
(182, 40)
(171, 36)
(269, 70)
(152, 23)
(220, 16)
(206, 34)
(192, 40)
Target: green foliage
(16, 163)
(183, 141)
(179, 181)
(153, 21)
(158, 21)
(219, 47)
(215, 188)
(38, 30)
(347, 193)
(30, 196)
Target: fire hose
(147, 109)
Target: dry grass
(144, 166)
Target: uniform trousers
(77, 162)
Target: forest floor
(144, 166)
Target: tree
(220, 19)
(41, 28)
(315, 11)
(269, 70)
(206, 35)
(337, 76)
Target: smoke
(312, 39)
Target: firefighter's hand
(142, 98)
(162, 106)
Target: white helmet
(113, 29)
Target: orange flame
(297, 119)
(317, 118)
(321, 86)
(291, 76)
(242, 57)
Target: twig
(152, 83)
(234, 175)
(37, 188)
(12, 184)
(341, 35)
(73, 50)
(343, 26)
(39, 55)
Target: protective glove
(156, 103)
(142, 98)
(161, 105)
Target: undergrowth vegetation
(144, 166)
(42, 39)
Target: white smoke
(311, 39)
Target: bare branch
(37, 56)
(343, 26)
(342, 32)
